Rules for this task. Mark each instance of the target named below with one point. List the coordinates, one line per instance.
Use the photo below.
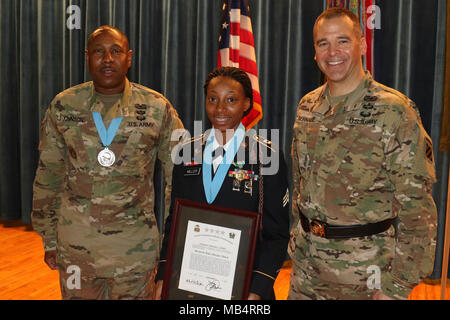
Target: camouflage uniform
(102, 219)
(362, 160)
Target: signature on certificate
(213, 285)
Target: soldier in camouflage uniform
(361, 158)
(95, 219)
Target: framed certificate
(210, 253)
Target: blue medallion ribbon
(106, 136)
(212, 186)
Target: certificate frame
(246, 222)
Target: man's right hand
(50, 259)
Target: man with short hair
(362, 175)
(93, 192)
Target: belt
(324, 230)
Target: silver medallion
(106, 157)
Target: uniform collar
(121, 108)
(216, 143)
(349, 101)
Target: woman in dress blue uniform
(229, 97)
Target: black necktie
(219, 151)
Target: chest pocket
(138, 149)
(76, 147)
(352, 150)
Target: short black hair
(331, 13)
(107, 28)
(235, 74)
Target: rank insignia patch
(429, 149)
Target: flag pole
(444, 268)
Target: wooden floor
(23, 273)
(25, 276)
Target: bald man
(93, 202)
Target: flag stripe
(253, 117)
(235, 42)
(244, 21)
(237, 49)
(255, 83)
(243, 37)
(248, 52)
(256, 97)
(247, 38)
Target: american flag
(237, 49)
